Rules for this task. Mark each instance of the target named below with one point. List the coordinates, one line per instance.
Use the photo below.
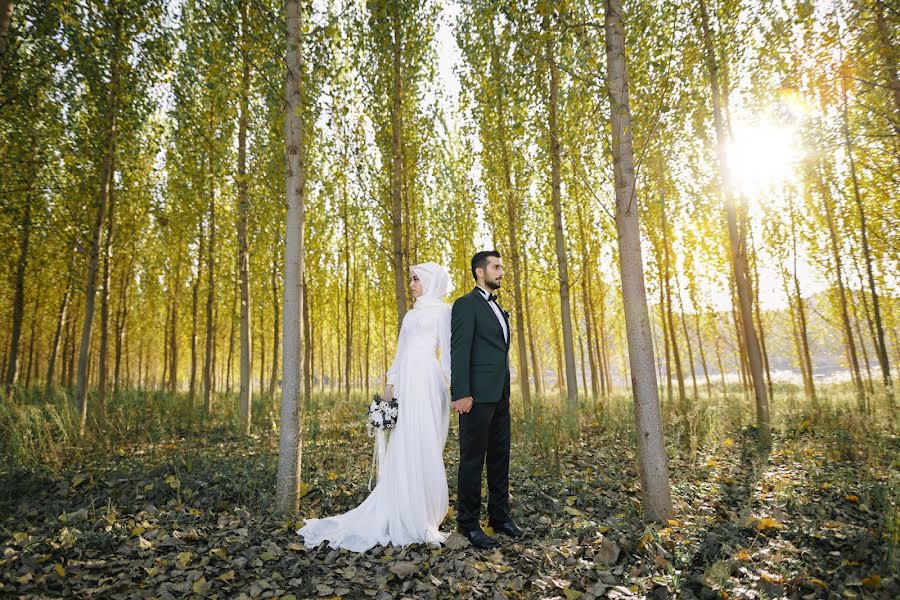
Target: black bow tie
(492, 298)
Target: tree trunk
(243, 212)
(588, 305)
(106, 182)
(720, 365)
(599, 342)
(12, 369)
(210, 300)
(69, 351)
(667, 344)
(276, 329)
(262, 354)
(397, 169)
(229, 382)
(890, 59)
(6, 12)
(880, 346)
(862, 348)
(498, 74)
(895, 339)
(31, 341)
(307, 346)
(368, 365)
(103, 366)
(850, 345)
(348, 323)
(740, 349)
(687, 338)
(60, 324)
(673, 335)
(655, 487)
(805, 355)
(121, 321)
(557, 347)
(535, 359)
(287, 494)
(195, 303)
(604, 345)
(692, 294)
(561, 257)
(173, 326)
(581, 353)
(165, 345)
(758, 313)
(738, 245)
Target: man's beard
(493, 284)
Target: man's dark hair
(479, 261)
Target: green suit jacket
(479, 354)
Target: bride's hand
(463, 405)
(388, 391)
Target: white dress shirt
(497, 312)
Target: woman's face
(415, 286)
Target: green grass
(40, 427)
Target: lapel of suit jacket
(508, 330)
(487, 307)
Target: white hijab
(435, 281)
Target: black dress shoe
(480, 539)
(508, 528)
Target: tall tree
(243, 210)
(6, 12)
(553, 139)
(880, 345)
(12, 369)
(287, 494)
(486, 41)
(106, 182)
(736, 237)
(654, 471)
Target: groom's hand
(463, 405)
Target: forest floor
(816, 517)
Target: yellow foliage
(873, 582)
(200, 586)
(184, 559)
(768, 523)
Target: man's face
(493, 273)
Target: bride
(410, 499)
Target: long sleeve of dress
(395, 366)
(444, 342)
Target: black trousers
(484, 436)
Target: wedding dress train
(410, 499)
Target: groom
(479, 388)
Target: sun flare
(762, 156)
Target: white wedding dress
(410, 500)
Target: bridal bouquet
(383, 413)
